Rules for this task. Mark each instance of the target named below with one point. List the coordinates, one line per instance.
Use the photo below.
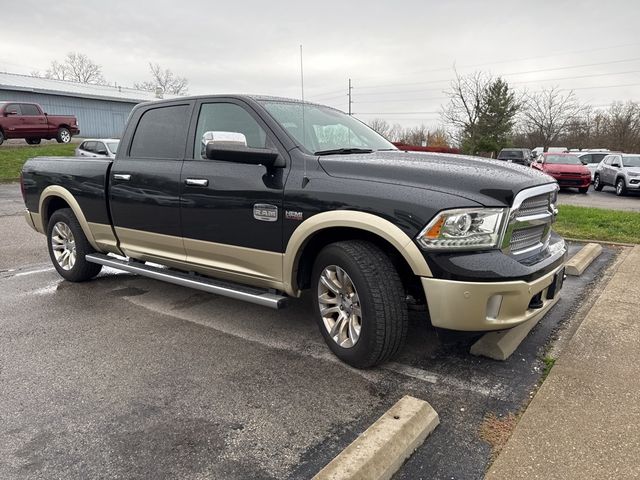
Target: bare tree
(76, 67)
(623, 126)
(381, 126)
(164, 79)
(466, 105)
(549, 114)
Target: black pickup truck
(260, 198)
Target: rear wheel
(1, 138)
(597, 183)
(68, 246)
(33, 141)
(64, 135)
(360, 304)
(621, 187)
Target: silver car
(592, 158)
(620, 170)
(98, 147)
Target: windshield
(562, 159)
(113, 146)
(510, 154)
(631, 161)
(325, 129)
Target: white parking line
(31, 272)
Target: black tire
(621, 187)
(583, 190)
(64, 135)
(597, 184)
(384, 313)
(81, 270)
(1, 137)
(33, 141)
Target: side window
(597, 157)
(13, 108)
(29, 109)
(607, 160)
(227, 117)
(585, 159)
(161, 133)
(100, 148)
(90, 146)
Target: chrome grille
(530, 219)
(526, 238)
(535, 205)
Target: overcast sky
(400, 55)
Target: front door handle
(197, 182)
(122, 176)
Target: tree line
(484, 114)
(77, 67)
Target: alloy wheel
(63, 245)
(340, 307)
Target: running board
(198, 282)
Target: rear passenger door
(145, 183)
(34, 122)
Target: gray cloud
(251, 46)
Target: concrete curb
(382, 449)
(602, 242)
(581, 260)
(501, 345)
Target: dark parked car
(29, 121)
(246, 197)
(516, 155)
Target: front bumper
(481, 306)
(573, 181)
(633, 183)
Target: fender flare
(351, 219)
(53, 191)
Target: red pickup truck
(29, 121)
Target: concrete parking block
(500, 345)
(382, 449)
(581, 260)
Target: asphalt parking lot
(607, 199)
(125, 377)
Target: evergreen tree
(495, 124)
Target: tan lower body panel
(104, 237)
(480, 306)
(259, 268)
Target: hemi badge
(293, 215)
(265, 212)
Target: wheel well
(64, 125)
(51, 205)
(321, 239)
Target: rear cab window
(161, 133)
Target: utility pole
(350, 102)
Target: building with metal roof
(101, 110)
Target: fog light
(493, 306)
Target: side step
(198, 282)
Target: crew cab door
(13, 121)
(34, 122)
(232, 212)
(144, 191)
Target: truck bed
(85, 178)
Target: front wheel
(64, 135)
(621, 187)
(1, 138)
(360, 304)
(68, 246)
(597, 183)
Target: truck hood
(485, 181)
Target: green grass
(12, 158)
(549, 362)
(598, 224)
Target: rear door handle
(122, 176)
(197, 182)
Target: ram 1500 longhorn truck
(29, 121)
(260, 198)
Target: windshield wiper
(343, 151)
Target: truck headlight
(463, 228)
